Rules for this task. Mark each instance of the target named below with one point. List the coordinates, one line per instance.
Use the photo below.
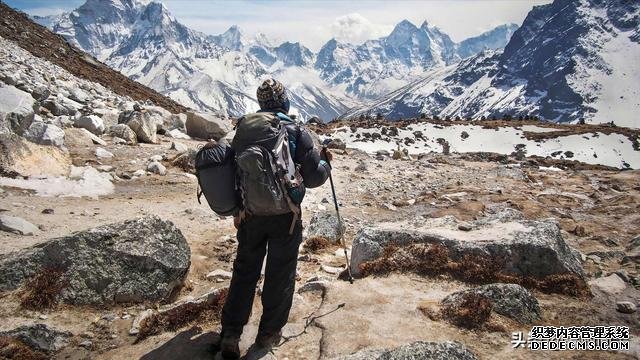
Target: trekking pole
(335, 202)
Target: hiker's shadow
(190, 344)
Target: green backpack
(267, 176)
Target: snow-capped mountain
(380, 66)
(570, 60)
(142, 40)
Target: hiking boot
(229, 347)
(268, 340)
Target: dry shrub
(42, 291)
(433, 259)
(316, 243)
(181, 316)
(11, 348)
(471, 312)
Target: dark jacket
(314, 171)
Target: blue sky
(315, 22)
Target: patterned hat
(272, 95)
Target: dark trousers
(255, 235)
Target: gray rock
(626, 307)
(179, 147)
(145, 259)
(16, 110)
(40, 337)
(124, 132)
(103, 154)
(143, 124)
(528, 248)
(448, 350)
(17, 225)
(337, 144)
(40, 93)
(78, 95)
(206, 126)
(325, 224)
(319, 285)
(157, 168)
(177, 134)
(92, 123)
(510, 300)
(610, 285)
(45, 134)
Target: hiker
(277, 236)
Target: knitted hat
(272, 96)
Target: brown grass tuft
(11, 348)
(42, 291)
(471, 312)
(181, 316)
(434, 259)
(316, 243)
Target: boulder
(525, 248)
(186, 161)
(17, 110)
(157, 168)
(93, 123)
(78, 95)
(45, 134)
(40, 337)
(77, 137)
(626, 307)
(177, 134)
(166, 120)
(337, 144)
(20, 157)
(124, 132)
(103, 154)
(610, 285)
(17, 225)
(510, 300)
(142, 123)
(325, 224)
(206, 126)
(448, 350)
(144, 259)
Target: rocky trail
(105, 252)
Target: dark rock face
(40, 337)
(510, 300)
(138, 260)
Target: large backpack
(268, 178)
(216, 172)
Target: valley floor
(598, 211)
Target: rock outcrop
(516, 247)
(16, 109)
(449, 350)
(510, 300)
(206, 126)
(145, 259)
(19, 157)
(40, 337)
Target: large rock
(325, 224)
(124, 132)
(40, 337)
(510, 300)
(206, 126)
(45, 134)
(19, 157)
(17, 225)
(145, 259)
(93, 123)
(166, 120)
(448, 350)
(16, 110)
(142, 123)
(527, 248)
(77, 137)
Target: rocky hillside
(569, 60)
(17, 27)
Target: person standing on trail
(269, 222)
